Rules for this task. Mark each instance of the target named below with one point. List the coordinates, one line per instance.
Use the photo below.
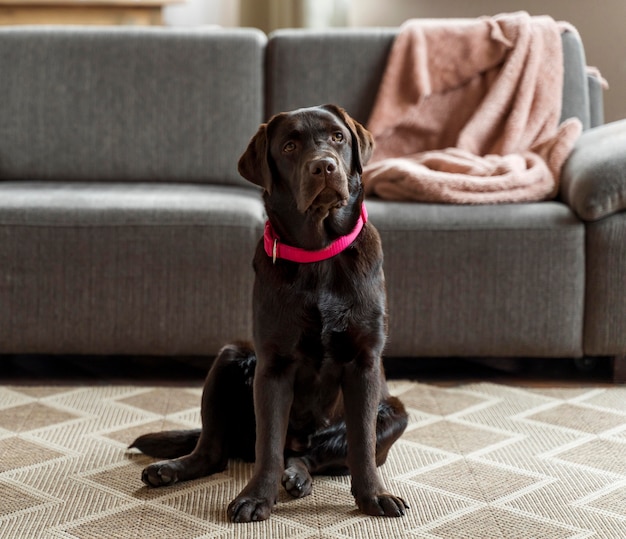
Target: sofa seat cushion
(105, 268)
(493, 280)
(127, 203)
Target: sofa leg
(619, 369)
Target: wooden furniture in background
(101, 12)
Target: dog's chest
(341, 323)
(333, 300)
(332, 309)
(336, 310)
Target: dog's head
(313, 155)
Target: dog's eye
(338, 136)
(289, 147)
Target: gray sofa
(125, 228)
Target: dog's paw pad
(384, 505)
(159, 475)
(249, 509)
(297, 482)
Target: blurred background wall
(601, 23)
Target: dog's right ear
(253, 164)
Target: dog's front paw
(382, 505)
(297, 481)
(160, 474)
(249, 509)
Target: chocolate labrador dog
(312, 397)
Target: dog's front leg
(361, 391)
(273, 396)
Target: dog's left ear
(362, 139)
(253, 164)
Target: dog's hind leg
(329, 449)
(391, 423)
(228, 428)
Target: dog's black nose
(325, 166)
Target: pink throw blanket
(468, 112)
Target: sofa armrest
(596, 100)
(593, 179)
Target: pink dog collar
(276, 249)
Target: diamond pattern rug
(478, 460)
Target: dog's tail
(168, 444)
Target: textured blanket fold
(468, 112)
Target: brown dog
(315, 382)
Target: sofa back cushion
(346, 66)
(127, 103)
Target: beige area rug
(477, 461)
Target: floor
(37, 369)
(506, 448)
